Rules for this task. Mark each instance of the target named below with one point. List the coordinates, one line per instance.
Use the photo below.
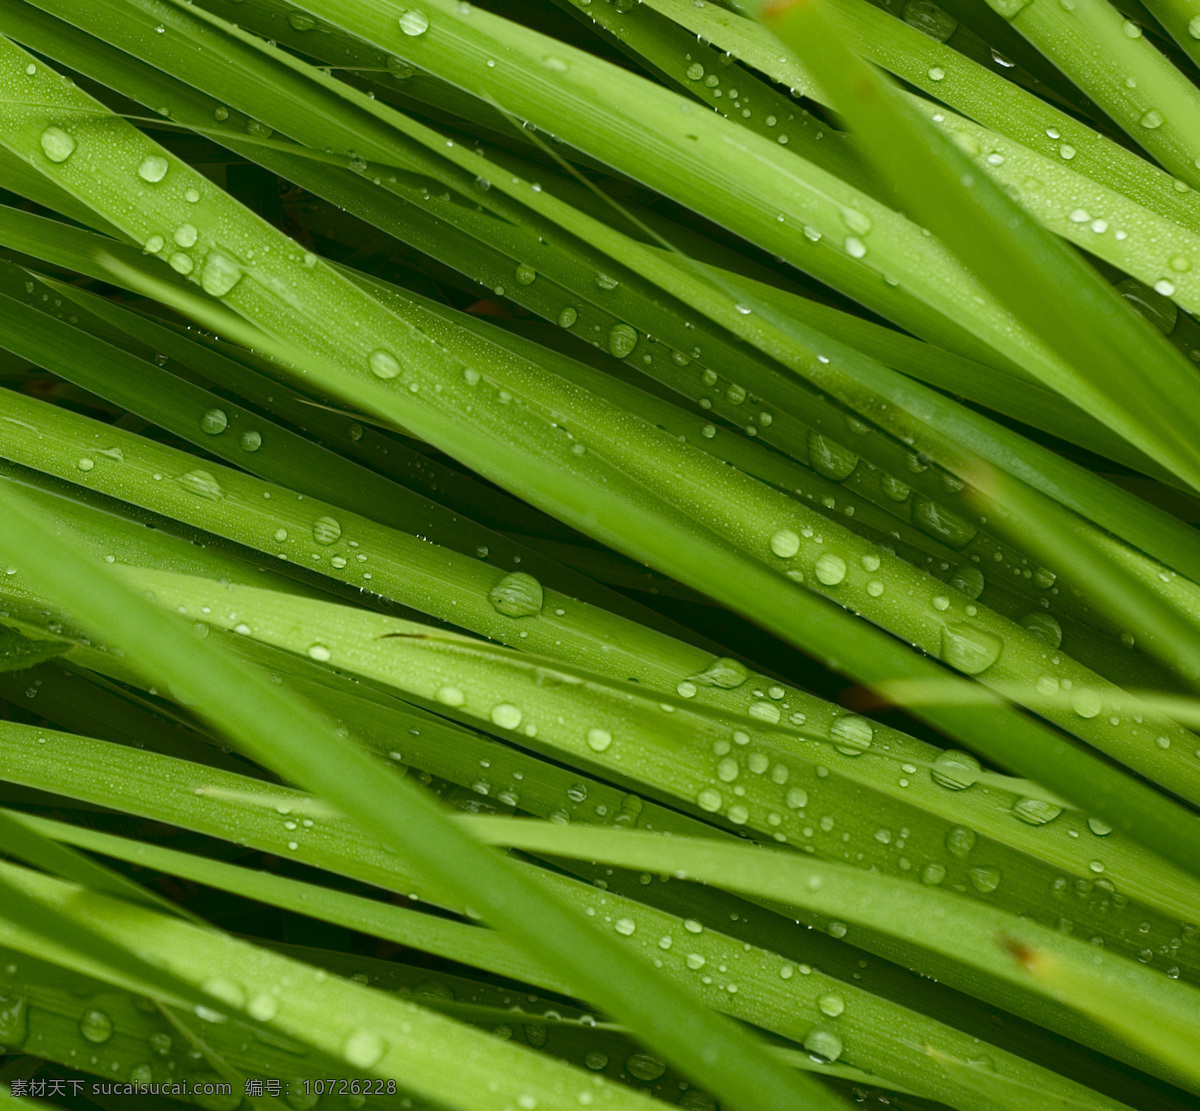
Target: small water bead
(854, 246)
(956, 771)
(383, 364)
(933, 874)
(57, 145)
(1165, 287)
(1036, 812)
(214, 422)
(625, 926)
(517, 595)
(181, 263)
(326, 530)
(201, 483)
(363, 1049)
(1151, 119)
(525, 275)
(785, 543)
(1066, 152)
(686, 689)
(1194, 27)
(852, 735)
(936, 73)
(709, 799)
(893, 489)
(598, 740)
(823, 1046)
(319, 653)
(830, 569)
(301, 21)
(1086, 703)
(829, 458)
(85, 464)
(96, 1026)
(728, 770)
(154, 244)
(1044, 627)
(153, 168)
(1099, 828)
(186, 235)
(694, 72)
(567, 317)
(695, 961)
(764, 711)
(219, 274)
(969, 649)
(796, 798)
(506, 715)
(251, 441)
(414, 23)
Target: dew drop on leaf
(517, 595)
(153, 168)
(57, 145)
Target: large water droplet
(506, 715)
(1035, 812)
(96, 1026)
(1044, 627)
(723, 672)
(326, 530)
(894, 489)
(622, 339)
(955, 770)
(57, 145)
(219, 274)
(929, 19)
(301, 21)
(852, 735)
(960, 841)
(14, 1019)
(363, 1049)
(383, 364)
(968, 649)
(517, 595)
(251, 441)
(525, 275)
(598, 740)
(941, 524)
(829, 458)
(830, 569)
(823, 1045)
(984, 880)
(831, 1005)
(201, 483)
(413, 22)
(645, 1067)
(785, 543)
(214, 422)
(153, 168)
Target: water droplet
(186, 235)
(14, 1019)
(622, 339)
(219, 274)
(960, 841)
(709, 799)
(251, 441)
(823, 1046)
(567, 317)
(319, 652)
(695, 961)
(985, 880)
(968, 649)
(941, 524)
(1194, 27)
(785, 543)
(595, 1060)
(933, 874)
(326, 530)
(645, 1067)
(1086, 702)
(831, 1005)
(201, 483)
(969, 580)
(517, 595)
(153, 168)
(724, 672)
(830, 569)
(506, 715)
(764, 711)
(955, 770)
(695, 71)
(1151, 119)
(96, 1026)
(301, 21)
(383, 363)
(1044, 627)
(929, 19)
(1099, 828)
(606, 281)
(214, 422)
(829, 458)
(363, 1049)
(936, 73)
(1035, 812)
(525, 275)
(450, 696)
(414, 23)
(598, 740)
(181, 263)
(85, 464)
(852, 735)
(625, 926)
(57, 145)
(855, 247)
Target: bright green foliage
(543, 411)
